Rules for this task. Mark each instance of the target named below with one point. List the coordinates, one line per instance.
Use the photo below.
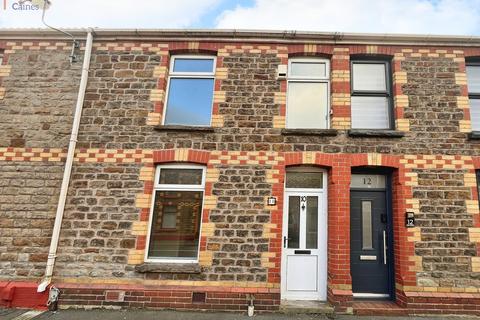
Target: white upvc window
(473, 80)
(190, 87)
(308, 93)
(176, 214)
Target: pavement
(133, 314)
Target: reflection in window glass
(475, 114)
(192, 65)
(181, 176)
(473, 78)
(294, 222)
(182, 242)
(312, 223)
(304, 180)
(169, 217)
(369, 77)
(308, 69)
(307, 105)
(189, 101)
(370, 112)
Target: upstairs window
(308, 93)
(176, 214)
(473, 80)
(371, 97)
(190, 91)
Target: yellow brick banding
(210, 202)
(147, 174)
(469, 179)
(279, 122)
(308, 157)
(157, 95)
(475, 264)
(374, 159)
(267, 230)
(270, 173)
(219, 96)
(217, 120)
(212, 175)
(472, 207)
(463, 102)
(341, 123)
(160, 71)
(310, 48)
(140, 228)
(279, 97)
(181, 154)
(143, 201)
(402, 124)
(221, 73)
(205, 258)
(154, 118)
(135, 257)
(400, 77)
(474, 234)
(461, 78)
(465, 125)
(208, 229)
(372, 49)
(5, 70)
(340, 76)
(194, 45)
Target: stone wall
(28, 201)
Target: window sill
(184, 128)
(310, 132)
(160, 267)
(375, 133)
(474, 135)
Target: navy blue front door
(369, 239)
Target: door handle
(285, 240)
(384, 247)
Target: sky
(448, 17)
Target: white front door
(304, 253)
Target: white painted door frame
(320, 253)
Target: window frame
(309, 79)
(388, 93)
(174, 187)
(473, 95)
(189, 75)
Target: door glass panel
(304, 180)
(367, 225)
(312, 223)
(294, 222)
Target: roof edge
(285, 36)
